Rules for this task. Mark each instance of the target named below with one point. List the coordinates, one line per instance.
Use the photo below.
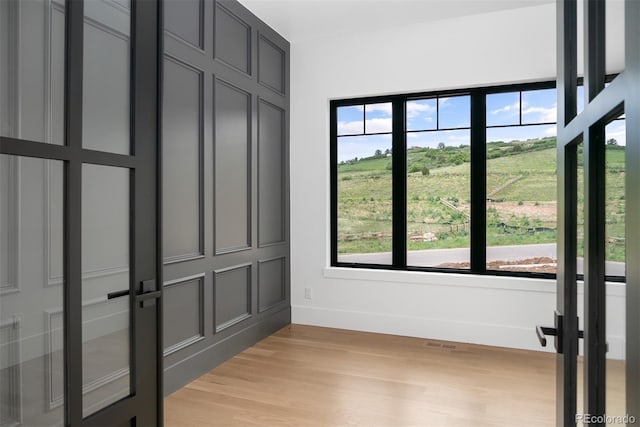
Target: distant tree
(441, 146)
(612, 141)
(378, 153)
(425, 171)
(387, 151)
(355, 159)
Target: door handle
(146, 297)
(148, 294)
(543, 331)
(117, 294)
(555, 331)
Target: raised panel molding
(54, 73)
(245, 122)
(53, 323)
(271, 65)
(174, 145)
(271, 282)
(177, 286)
(232, 40)
(53, 244)
(232, 169)
(53, 235)
(184, 20)
(271, 174)
(106, 75)
(232, 296)
(10, 341)
(11, 166)
(10, 74)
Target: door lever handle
(117, 294)
(542, 331)
(148, 295)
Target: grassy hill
(521, 198)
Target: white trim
(498, 335)
(522, 284)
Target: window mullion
(478, 182)
(399, 177)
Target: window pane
(614, 37)
(580, 100)
(31, 292)
(503, 109)
(539, 106)
(106, 78)
(615, 137)
(422, 114)
(105, 269)
(521, 199)
(438, 184)
(580, 210)
(378, 118)
(364, 199)
(32, 70)
(351, 120)
(454, 112)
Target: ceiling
(297, 20)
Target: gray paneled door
(225, 184)
(79, 261)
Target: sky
(435, 120)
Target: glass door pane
(32, 40)
(31, 292)
(105, 272)
(615, 265)
(106, 76)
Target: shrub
(415, 168)
(425, 171)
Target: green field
(521, 198)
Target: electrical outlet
(307, 293)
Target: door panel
(608, 385)
(79, 257)
(31, 303)
(105, 260)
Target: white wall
(501, 47)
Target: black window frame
(478, 174)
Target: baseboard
(188, 369)
(440, 329)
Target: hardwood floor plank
(311, 376)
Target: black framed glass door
(80, 301)
(597, 389)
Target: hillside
(521, 197)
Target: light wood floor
(310, 376)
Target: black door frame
(145, 247)
(601, 106)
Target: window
(438, 186)
(457, 181)
(521, 181)
(364, 183)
